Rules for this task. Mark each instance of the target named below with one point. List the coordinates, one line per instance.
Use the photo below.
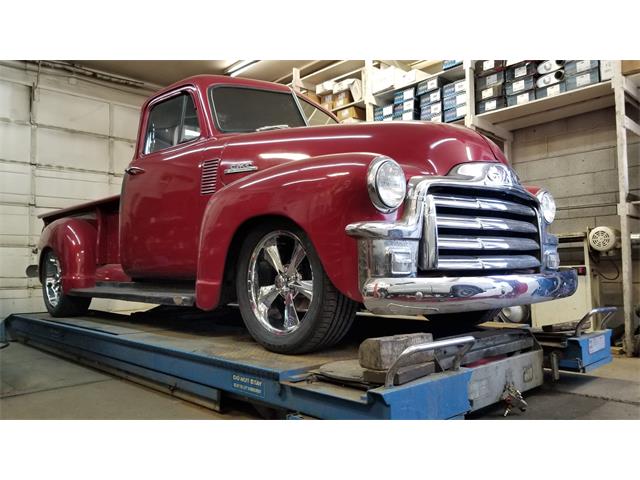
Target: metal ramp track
(201, 360)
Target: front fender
(73, 240)
(320, 194)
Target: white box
(606, 70)
(354, 85)
(384, 78)
(407, 78)
(325, 88)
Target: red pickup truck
(244, 191)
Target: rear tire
(288, 303)
(58, 303)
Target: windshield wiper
(271, 127)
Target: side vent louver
(209, 177)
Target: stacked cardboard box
(431, 100)
(351, 115)
(490, 85)
(454, 101)
(581, 73)
(383, 114)
(333, 95)
(405, 104)
(520, 82)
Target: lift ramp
(205, 358)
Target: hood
(422, 148)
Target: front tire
(57, 302)
(287, 302)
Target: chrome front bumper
(406, 266)
(430, 295)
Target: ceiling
(165, 72)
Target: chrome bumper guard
(430, 295)
(392, 254)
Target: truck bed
(108, 203)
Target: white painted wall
(63, 140)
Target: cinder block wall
(576, 160)
(63, 140)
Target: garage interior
(68, 131)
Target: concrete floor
(39, 385)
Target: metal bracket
(465, 342)
(606, 311)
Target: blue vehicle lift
(574, 350)
(205, 360)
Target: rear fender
(320, 194)
(73, 240)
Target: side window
(171, 122)
(314, 115)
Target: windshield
(239, 109)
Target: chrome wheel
(280, 294)
(52, 279)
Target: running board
(161, 294)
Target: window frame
(187, 89)
(319, 108)
(212, 104)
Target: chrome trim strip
(464, 222)
(432, 295)
(429, 254)
(504, 262)
(460, 242)
(300, 109)
(473, 202)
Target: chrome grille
(478, 230)
(209, 177)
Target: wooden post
(624, 210)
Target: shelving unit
(500, 124)
(359, 103)
(336, 71)
(575, 102)
(385, 96)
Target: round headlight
(547, 205)
(386, 184)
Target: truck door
(162, 200)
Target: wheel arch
(227, 289)
(73, 240)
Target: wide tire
(287, 302)
(59, 304)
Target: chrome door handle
(134, 170)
